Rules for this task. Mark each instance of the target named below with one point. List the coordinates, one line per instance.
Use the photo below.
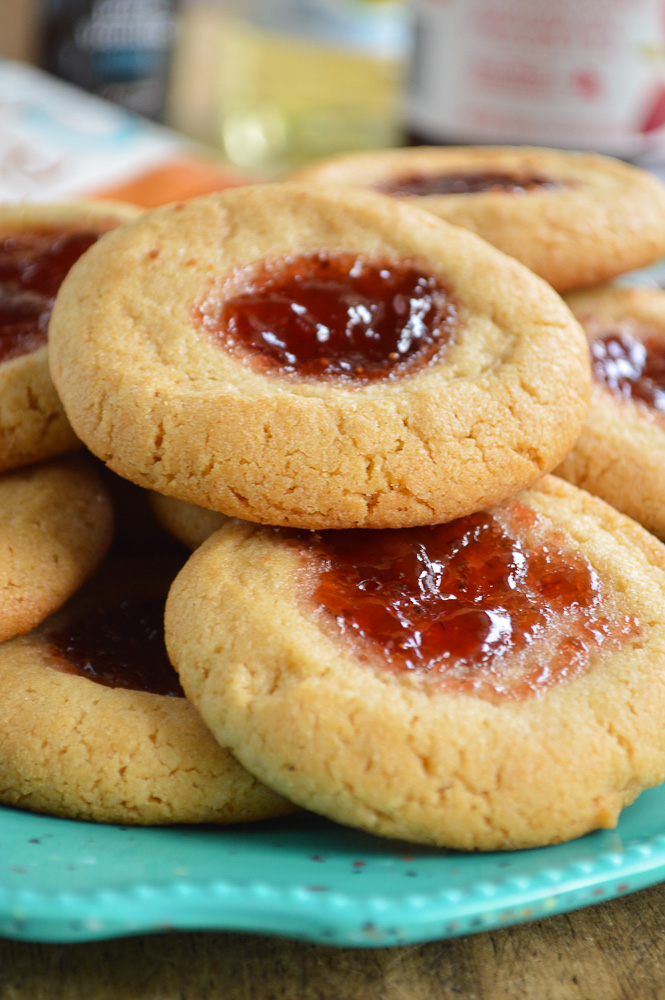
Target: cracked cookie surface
(33, 425)
(451, 756)
(75, 742)
(577, 219)
(177, 409)
(620, 454)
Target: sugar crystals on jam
(629, 360)
(334, 316)
(489, 603)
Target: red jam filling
(465, 182)
(629, 360)
(489, 604)
(119, 645)
(32, 268)
(334, 316)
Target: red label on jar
(573, 75)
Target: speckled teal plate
(302, 878)
(305, 877)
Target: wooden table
(613, 951)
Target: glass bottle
(302, 79)
(118, 49)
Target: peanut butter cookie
(190, 524)
(620, 454)
(56, 522)
(574, 218)
(317, 359)
(38, 245)
(491, 683)
(93, 724)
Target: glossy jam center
(470, 602)
(335, 316)
(465, 182)
(120, 645)
(630, 361)
(32, 268)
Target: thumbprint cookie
(38, 245)
(93, 722)
(620, 454)
(185, 522)
(56, 522)
(491, 683)
(574, 218)
(316, 359)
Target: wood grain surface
(614, 951)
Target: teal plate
(305, 877)
(302, 878)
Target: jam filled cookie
(492, 683)
(574, 218)
(56, 522)
(38, 245)
(620, 454)
(186, 522)
(316, 359)
(93, 722)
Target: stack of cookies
(394, 615)
(578, 221)
(94, 724)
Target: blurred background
(266, 85)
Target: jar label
(586, 75)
